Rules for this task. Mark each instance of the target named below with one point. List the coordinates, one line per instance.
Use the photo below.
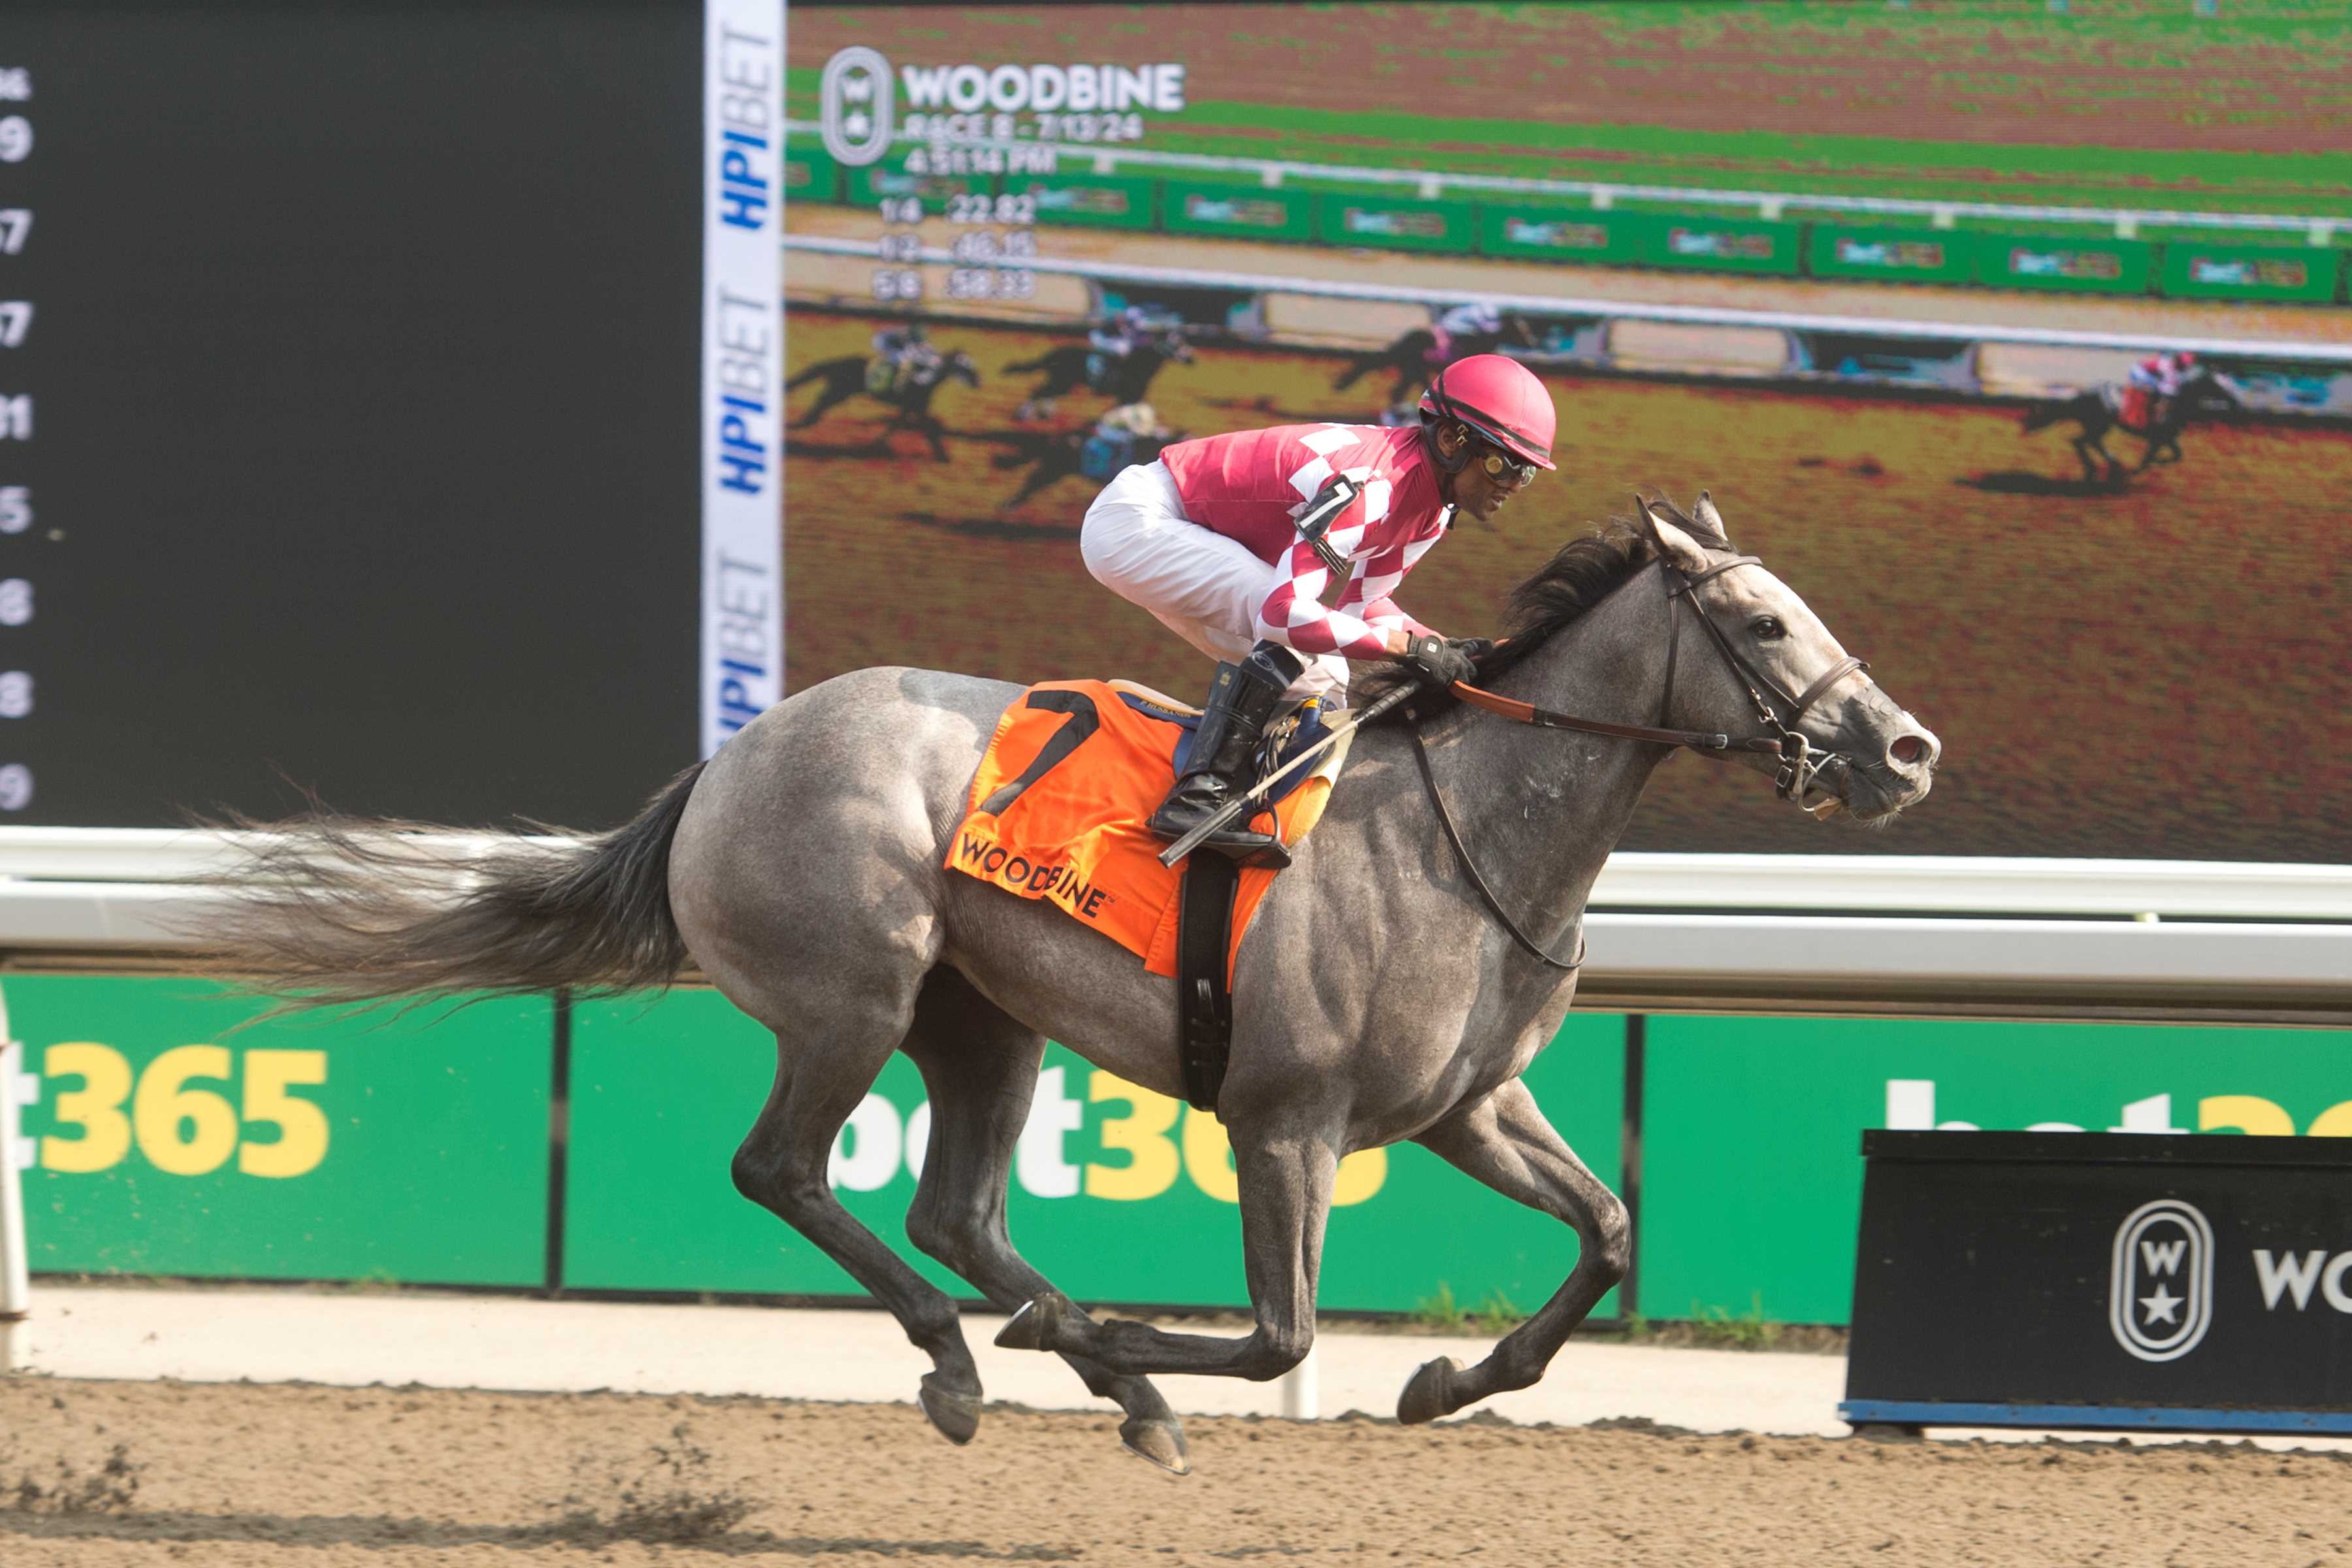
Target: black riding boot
(1223, 756)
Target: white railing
(2271, 349)
(118, 857)
(1429, 184)
(2212, 940)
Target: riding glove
(1439, 662)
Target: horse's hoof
(955, 1413)
(1033, 1326)
(1430, 1394)
(1162, 1442)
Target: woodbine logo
(2160, 1281)
(859, 94)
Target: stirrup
(1194, 801)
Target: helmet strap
(1445, 465)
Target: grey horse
(1380, 995)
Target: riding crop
(1248, 801)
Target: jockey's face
(1472, 489)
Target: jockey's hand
(1438, 662)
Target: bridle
(1800, 765)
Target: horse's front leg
(2086, 445)
(1505, 1142)
(828, 397)
(1286, 1195)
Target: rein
(1799, 766)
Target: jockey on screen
(2157, 379)
(895, 347)
(1119, 336)
(2163, 372)
(1476, 320)
(1207, 539)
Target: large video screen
(348, 407)
(1891, 282)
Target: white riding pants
(1202, 587)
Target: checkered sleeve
(1356, 627)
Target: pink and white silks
(1207, 540)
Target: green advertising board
(811, 175)
(169, 1141)
(876, 181)
(1890, 255)
(1585, 235)
(1118, 1194)
(1751, 1170)
(2197, 270)
(1382, 223)
(1098, 201)
(1237, 212)
(1714, 244)
(2077, 266)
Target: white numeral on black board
(17, 426)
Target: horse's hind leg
(827, 1060)
(1285, 1168)
(981, 1068)
(1505, 1142)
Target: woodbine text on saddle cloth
(1056, 812)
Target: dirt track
(250, 1476)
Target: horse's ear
(1711, 520)
(1674, 544)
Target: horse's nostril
(1909, 749)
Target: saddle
(881, 376)
(1056, 813)
(2135, 407)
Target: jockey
(895, 347)
(1129, 420)
(1118, 336)
(1473, 319)
(2162, 373)
(1207, 539)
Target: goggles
(1501, 465)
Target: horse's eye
(1767, 629)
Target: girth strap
(1204, 1005)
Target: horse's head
(1760, 662)
(960, 365)
(1174, 346)
(2205, 387)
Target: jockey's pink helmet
(1500, 399)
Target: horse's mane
(1580, 575)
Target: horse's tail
(330, 910)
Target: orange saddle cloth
(1057, 810)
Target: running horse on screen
(1393, 983)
